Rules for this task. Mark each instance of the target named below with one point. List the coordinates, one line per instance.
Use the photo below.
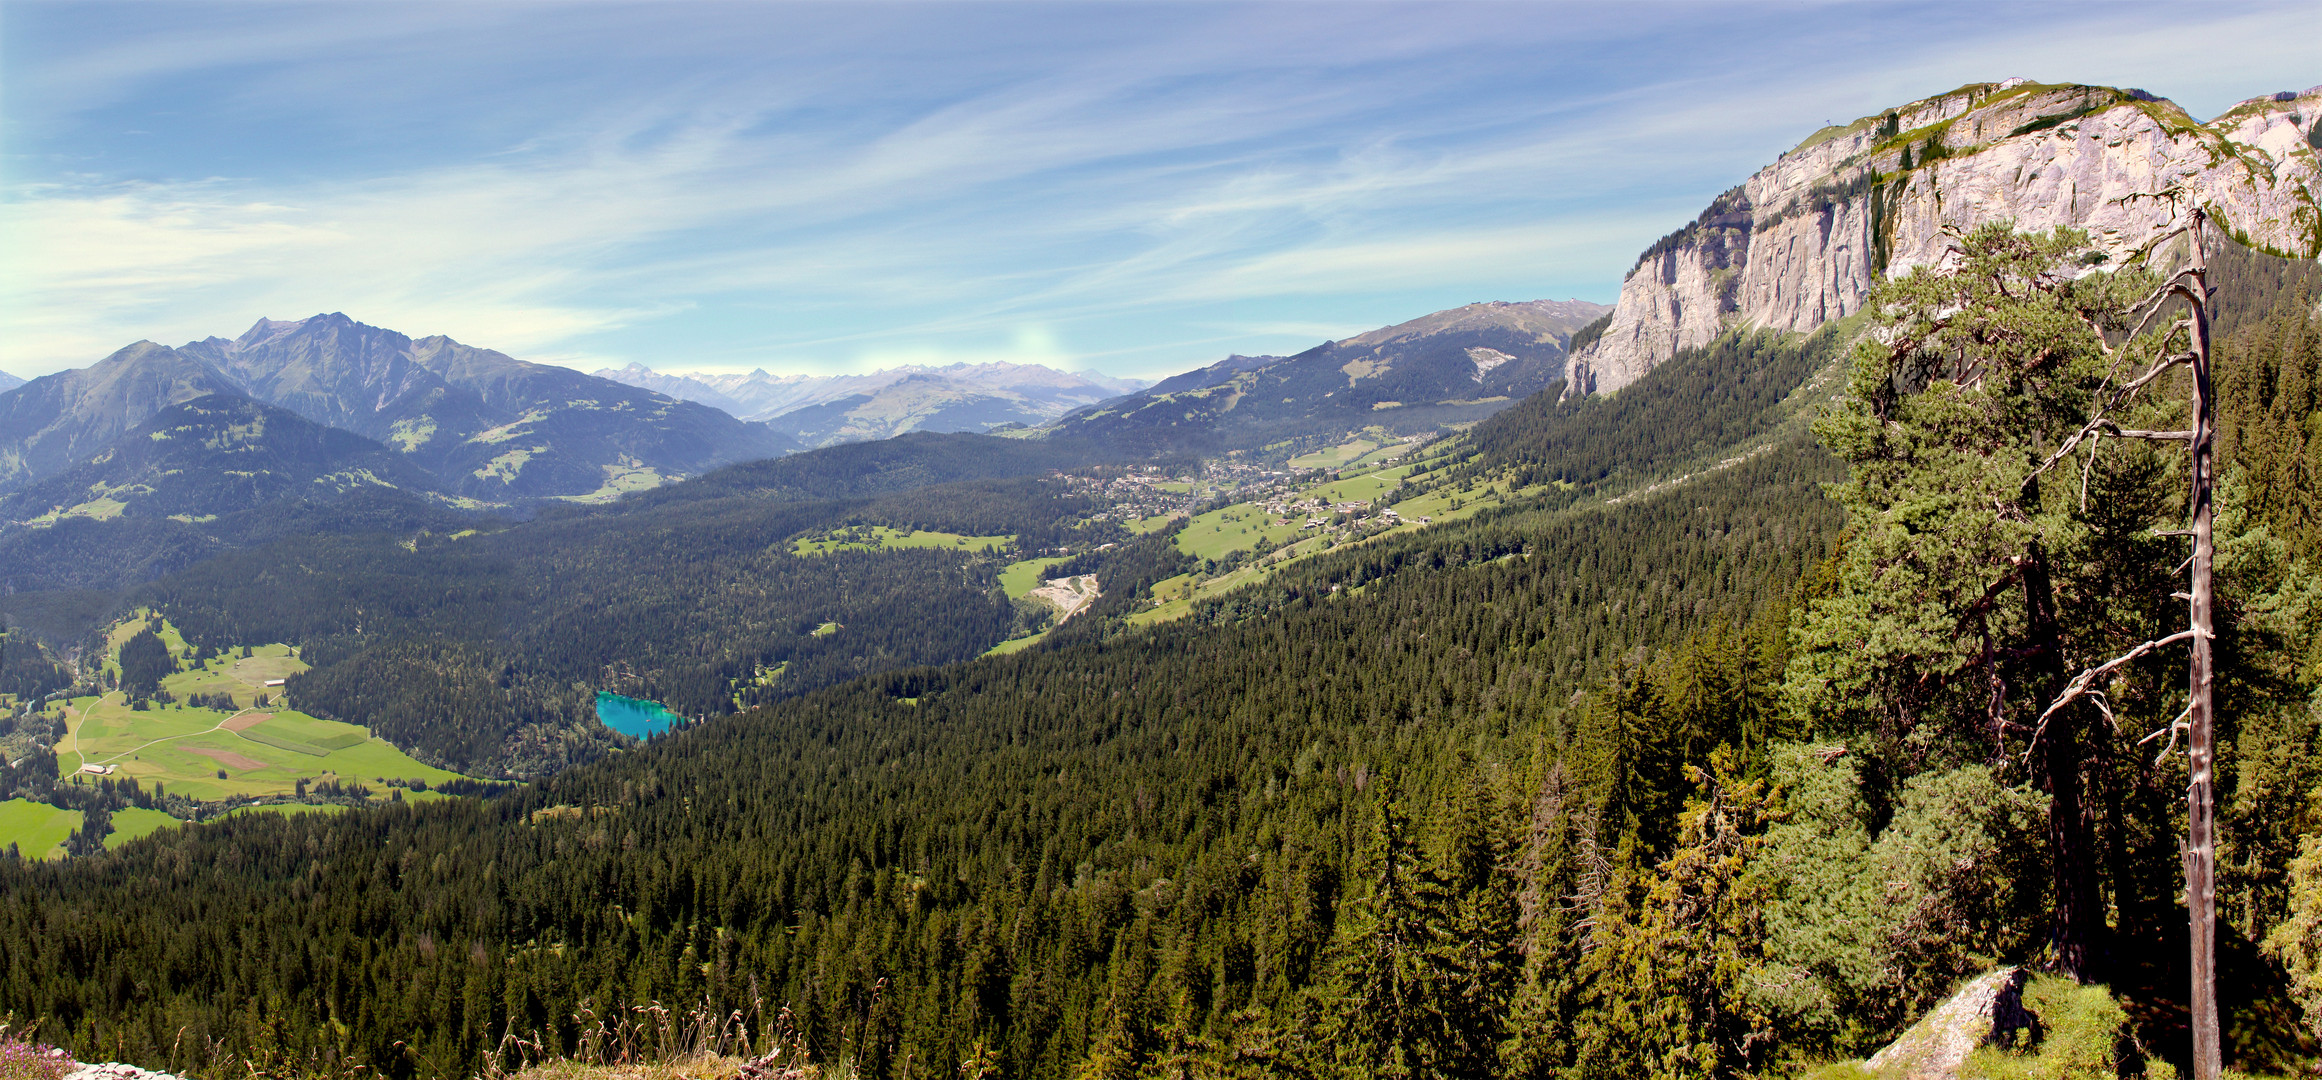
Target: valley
(1707, 685)
(214, 732)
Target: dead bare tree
(2198, 721)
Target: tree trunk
(2077, 928)
(2201, 750)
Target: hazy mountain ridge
(9, 382)
(1801, 242)
(485, 425)
(1452, 366)
(53, 422)
(819, 410)
(1220, 372)
(214, 454)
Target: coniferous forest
(482, 652)
(1736, 773)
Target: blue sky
(1134, 188)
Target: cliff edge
(1801, 242)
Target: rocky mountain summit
(491, 426)
(9, 382)
(1801, 241)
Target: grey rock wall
(1801, 242)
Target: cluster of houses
(1319, 513)
(1149, 493)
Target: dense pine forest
(1725, 776)
(483, 652)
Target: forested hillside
(1717, 777)
(484, 652)
(1168, 824)
(196, 459)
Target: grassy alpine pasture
(1242, 526)
(135, 822)
(1345, 453)
(259, 750)
(187, 749)
(37, 829)
(1023, 577)
(1016, 644)
(882, 538)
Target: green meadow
(1243, 526)
(37, 829)
(205, 754)
(882, 538)
(1023, 577)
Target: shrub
(23, 1059)
(2084, 1034)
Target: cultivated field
(261, 750)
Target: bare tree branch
(2159, 366)
(2079, 686)
(2175, 728)
(2159, 298)
(2087, 471)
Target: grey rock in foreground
(114, 1070)
(1988, 1010)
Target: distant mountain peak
(265, 330)
(1446, 367)
(485, 425)
(822, 409)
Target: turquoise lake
(630, 716)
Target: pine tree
(1674, 945)
(1954, 620)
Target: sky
(1137, 189)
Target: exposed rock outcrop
(1802, 241)
(1989, 1010)
(114, 1070)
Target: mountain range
(219, 451)
(819, 410)
(1453, 366)
(9, 382)
(478, 424)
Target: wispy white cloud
(839, 186)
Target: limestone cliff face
(1802, 241)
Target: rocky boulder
(1987, 1011)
